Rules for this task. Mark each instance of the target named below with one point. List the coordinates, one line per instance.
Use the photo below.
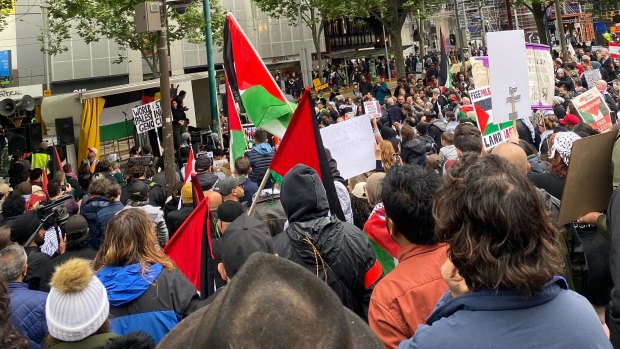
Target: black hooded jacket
(345, 258)
(413, 152)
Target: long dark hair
(9, 337)
(498, 231)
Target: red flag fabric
(44, 176)
(57, 162)
(185, 247)
(189, 167)
(299, 136)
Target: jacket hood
(263, 148)
(415, 146)
(303, 196)
(127, 283)
(491, 300)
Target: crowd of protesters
(444, 244)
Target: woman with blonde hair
(146, 293)
(387, 155)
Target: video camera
(53, 214)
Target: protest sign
(592, 76)
(480, 71)
(540, 75)
(248, 131)
(492, 133)
(316, 83)
(593, 110)
(373, 109)
(352, 145)
(589, 181)
(509, 75)
(147, 117)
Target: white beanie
(77, 304)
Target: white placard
(509, 75)
(352, 145)
(147, 117)
(373, 108)
(592, 76)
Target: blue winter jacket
(89, 211)
(153, 301)
(553, 318)
(28, 313)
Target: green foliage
(93, 20)
(5, 7)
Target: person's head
(548, 122)
(98, 187)
(379, 79)
(260, 136)
(26, 227)
(373, 188)
(562, 90)
(77, 306)
(465, 101)
(227, 212)
(215, 200)
(303, 196)
(514, 154)
(560, 148)
(243, 166)
(67, 168)
(13, 206)
(147, 150)
(182, 95)
(570, 121)
(447, 138)
(244, 236)
(387, 154)
(203, 164)
(601, 85)
(113, 191)
(560, 73)
(5, 236)
(422, 128)
(467, 139)
(231, 188)
(407, 133)
(130, 238)
(13, 263)
(92, 153)
(134, 151)
(36, 175)
(496, 226)
(407, 195)
(103, 166)
(59, 177)
(53, 190)
(174, 104)
(76, 230)
(401, 99)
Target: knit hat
(77, 304)
(563, 144)
(309, 314)
(229, 211)
(186, 193)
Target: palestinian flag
(303, 145)
(189, 247)
(445, 78)
(614, 49)
(238, 144)
(385, 248)
(253, 87)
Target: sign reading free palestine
(492, 133)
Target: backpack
(431, 146)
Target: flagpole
(260, 189)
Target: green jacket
(91, 342)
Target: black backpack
(431, 146)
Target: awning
(102, 92)
(362, 53)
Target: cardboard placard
(541, 75)
(592, 76)
(373, 109)
(593, 110)
(352, 145)
(589, 182)
(147, 117)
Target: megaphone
(7, 107)
(27, 103)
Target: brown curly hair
(497, 229)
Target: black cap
(24, 227)
(76, 229)
(202, 163)
(139, 191)
(225, 186)
(229, 211)
(243, 237)
(207, 180)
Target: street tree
(538, 8)
(5, 8)
(314, 14)
(93, 20)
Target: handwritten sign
(593, 110)
(373, 108)
(541, 75)
(147, 117)
(592, 76)
(352, 145)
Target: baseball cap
(229, 211)
(226, 185)
(202, 163)
(139, 191)
(243, 237)
(76, 229)
(358, 190)
(570, 119)
(186, 193)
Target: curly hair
(407, 133)
(13, 205)
(550, 122)
(387, 154)
(497, 229)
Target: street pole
(302, 53)
(215, 116)
(559, 28)
(509, 15)
(483, 28)
(458, 24)
(46, 46)
(421, 15)
(164, 87)
(387, 57)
